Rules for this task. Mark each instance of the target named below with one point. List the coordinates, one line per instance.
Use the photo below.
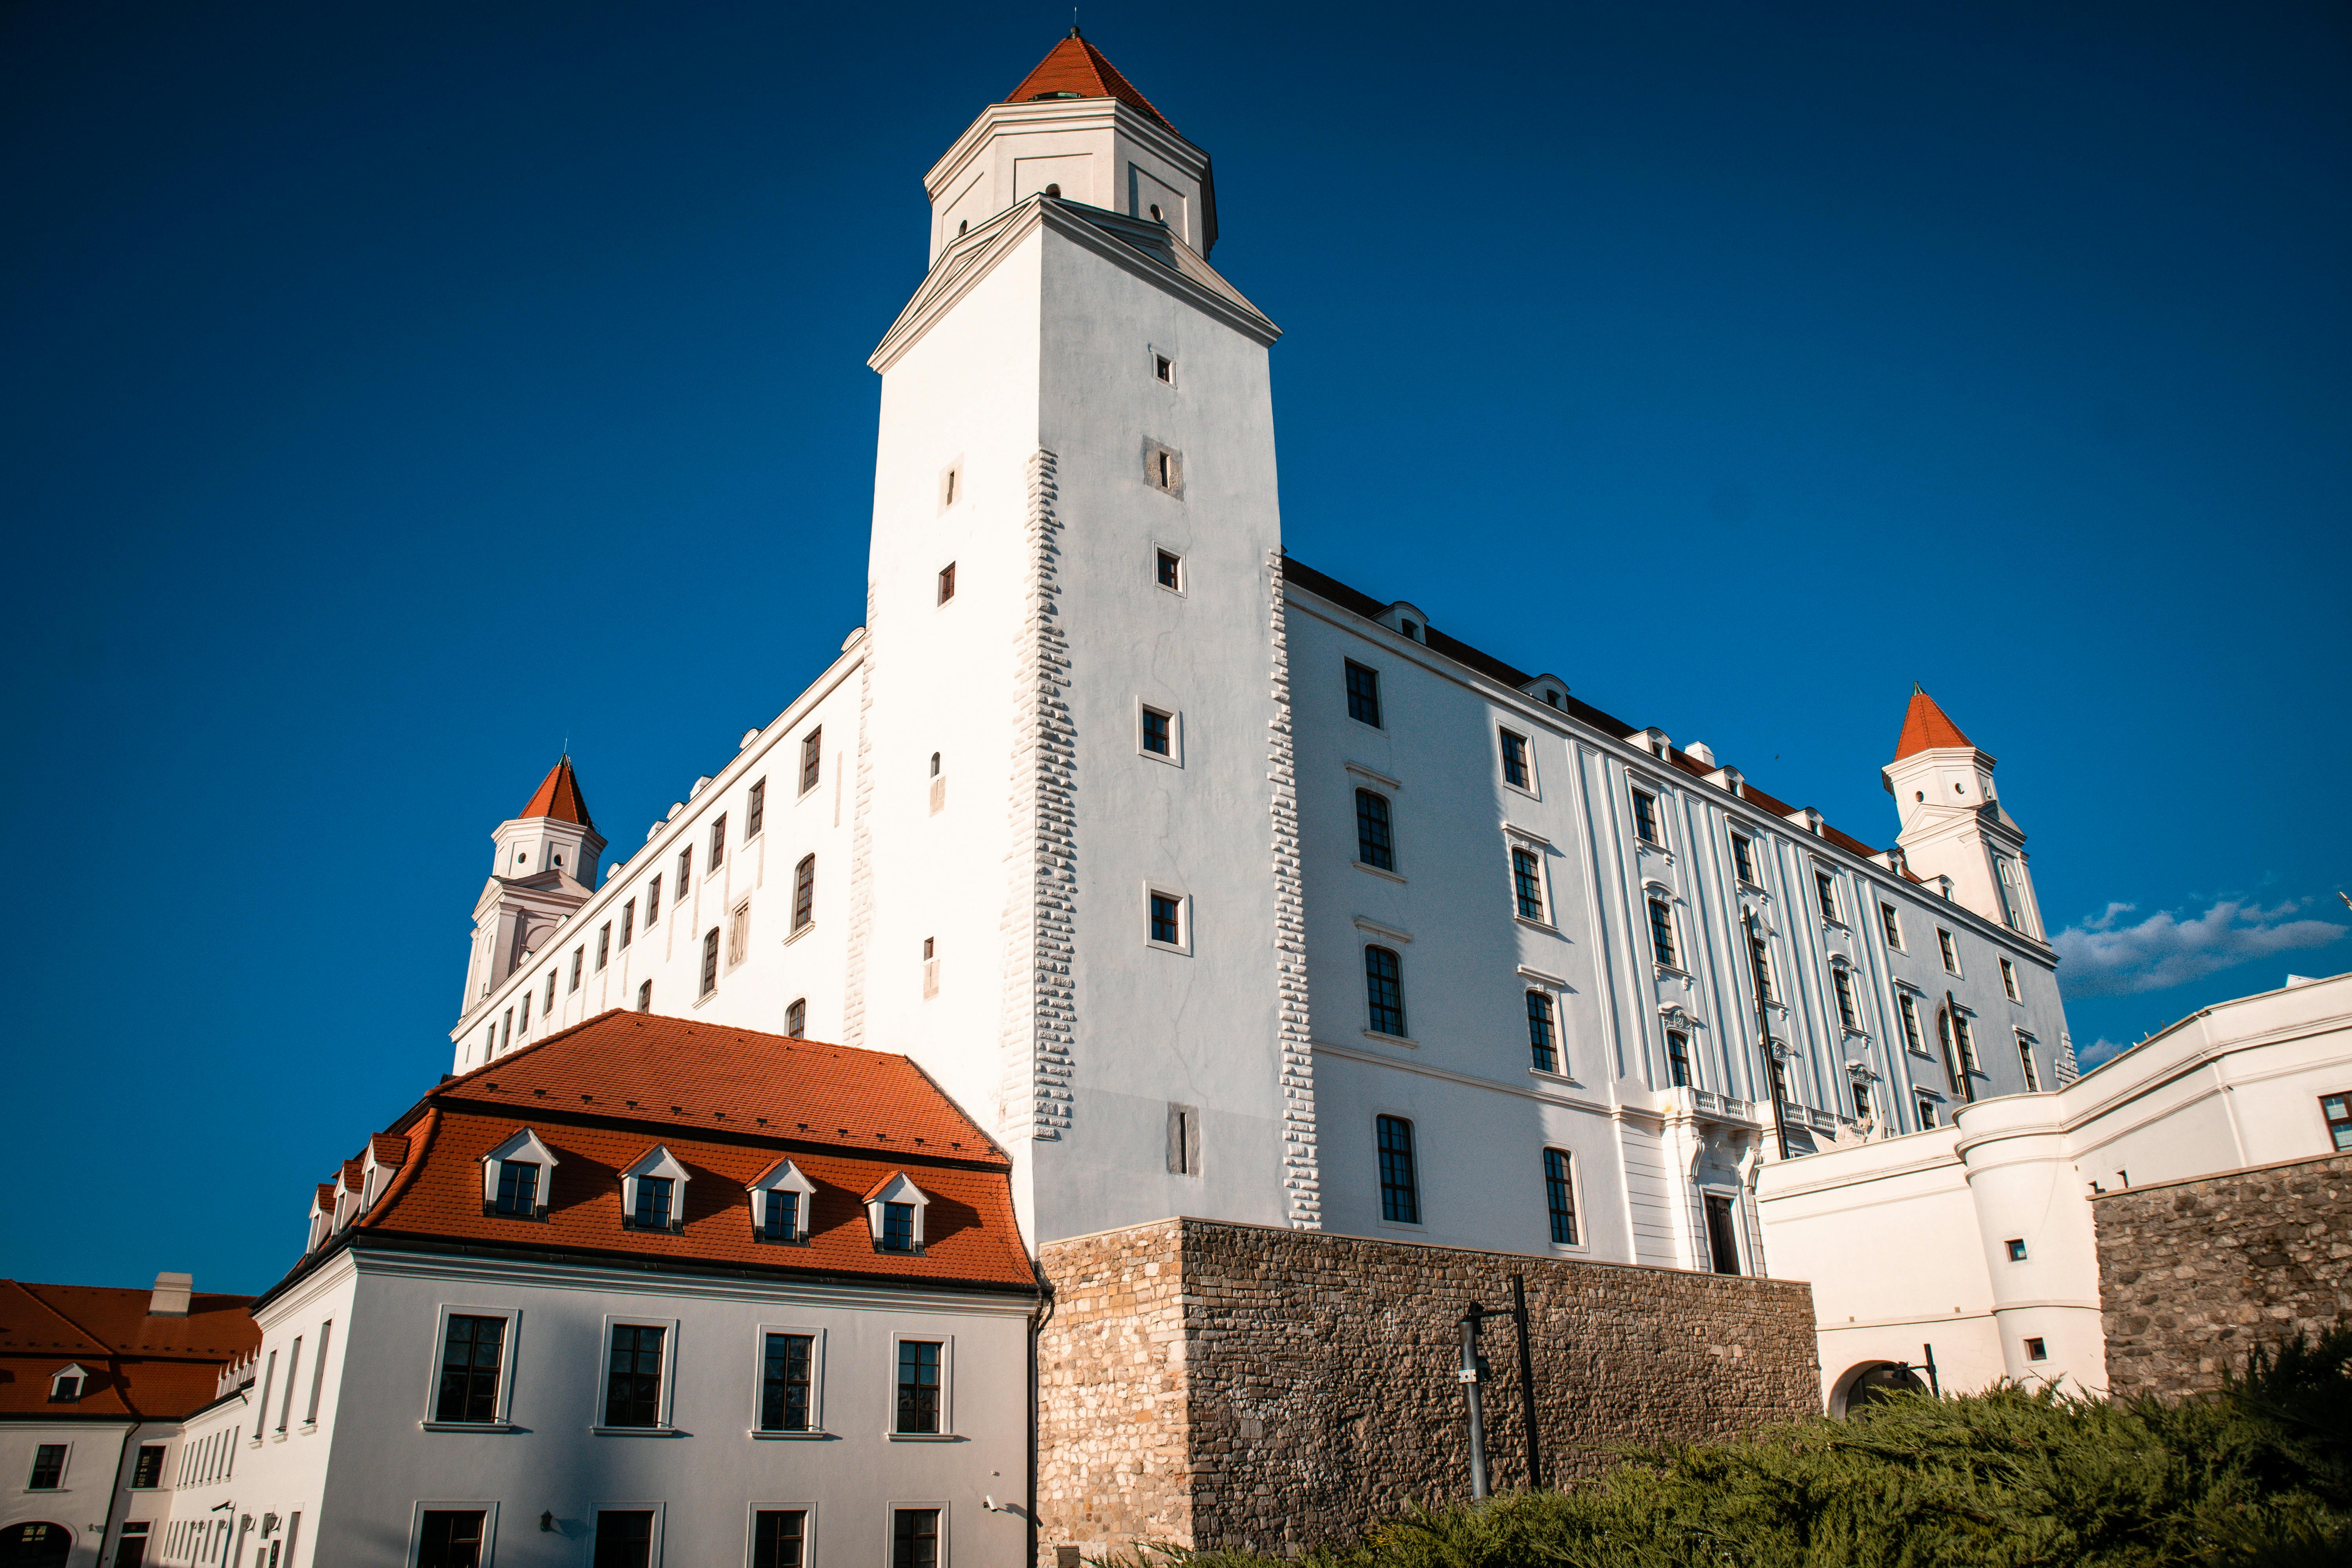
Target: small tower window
(1163, 469)
(1161, 365)
(947, 582)
(1171, 572)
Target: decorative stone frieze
(1301, 1170)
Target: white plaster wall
(84, 1498)
(203, 1477)
(372, 1463)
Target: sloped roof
(139, 1364)
(1926, 728)
(557, 796)
(1074, 67)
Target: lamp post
(1473, 1367)
(1472, 1375)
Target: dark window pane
(784, 1384)
(1385, 991)
(1155, 732)
(1515, 759)
(1527, 884)
(1374, 846)
(625, 1540)
(1163, 919)
(149, 1470)
(915, 1538)
(782, 1220)
(1167, 567)
(1400, 1191)
(812, 758)
(1645, 816)
(1662, 934)
(1559, 1197)
(919, 1386)
(776, 1537)
(1678, 1058)
(1722, 1236)
(1364, 694)
(469, 1370)
(450, 1539)
(653, 1203)
(805, 892)
(632, 1384)
(1540, 1039)
(518, 1187)
(49, 1464)
(898, 1228)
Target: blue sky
(394, 393)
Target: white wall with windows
(1977, 1236)
(535, 1405)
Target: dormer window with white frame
(894, 1213)
(321, 1219)
(517, 1177)
(377, 1169)
(653, 1193)
(67, 1384)
(781, 1199)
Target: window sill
(1668, 972)
(635, 1432)
(1534, 924)
(709, 995)
(921, 1437)
(811, 1435)
(1376, 871)
(468, 1427)
(1559, 1077)
(1392, 1040)
(803, 932)
(1161, 757)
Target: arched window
(1385, 991)
(796, 1019)
(646, 998)
(803, 893)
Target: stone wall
(2194, 1274)
(1208, 1384)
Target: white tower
(1075, 566)
(543, 868)
(1953, 824)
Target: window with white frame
(717, 855)
(921, 1407)
(780, 1536)
(1908, 1008)
(1649, 826)
(1743, 860)
(1163, 919)
(1400, 1175)
(1826, 892)
(604, 945)
(1385, 991)
(2009, 877)
(1375, 832)
(1678, 1059)
(517, 1176)
(1519, 768)
(1927, 1114)
(755, 809)
(653, 1192)
(1663, 946)
(1364, 694)
(1842, 984)
(1759, 958)
(805, 894)
(636, 1393)
(1527, 883)
(2026, 1062)
(1159, 733)
(470, 1378)
(1891, 921)
(1949, 950)
(781, 1197)
(894, 1213)
(709, 975)
(796, 1019)
(788, 1381)
(1168, 570)
(1560, 1195)
(812, 758)
(67, 1383)
(2009, 981)
(1543, 1032)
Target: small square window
(1171, 572)
(1167, 920)
(2036, 1350)
(1159, 733)
(947, 582)
(2016, 1250)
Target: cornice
(1063, 114)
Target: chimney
(173, 1293)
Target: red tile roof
(159, 1368)
(388, 1150)
(726, 1104)
(1076, 69)
(557, 796)
(1925, 727)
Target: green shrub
(2256, 1475)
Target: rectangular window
(1927, 1114)
(624, 1539)
(1161, 365)
(1760, 956)
(1662, 934)
(684, 871)
(780, 1217)
(1364, 694)
(796, 1019)
(785, 1380)
(471, 1356)
(1514, 758)
(918, 1387)
(1842, 982)
(634, 1374)
(2336, 1112)
(286, 1400)
(1385, 991)
(898, 1228)
(718, 856)
(1722, 1234)
(1968, 1042)
(2025, 1061)
(517, 1188)
(1910, 1012)
(1527, 884)
(779, 1537)
(148, 1471)
(579, 958)
(2037, 1350)
(319, 1373)
(549, 1009)
(1400, 1187)
(947, 582)
(1893, 924)
(1375, 842)
(1542, 1044)
(451, 1539)
(1862, 1102)
(1825, 887)
(653, 1203)
(2009, 981)
(812, 758)
(1559, 1197)
(1155, 732)
(604, 945)
(711, 961)
(1167, 926)
(803, 894)
(1743, 860)
(738, 932)
(755, 810)
(1183, 1140)
(653, 902)
(1645, 818)
(914, 1538)
(1172, 567)
(1678, 1058)
(2009, 879)
(1951, 953)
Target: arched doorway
(1874, 1383)
(34, 1546)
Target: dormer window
(894, 1212)
(653, 1193)
(781, 1199)
(67, 1384)
(516, 1176)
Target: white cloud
(2104, 957)
(2099, 1053)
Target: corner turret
(543, 868)
(1953, 825)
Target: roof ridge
(60, 1313)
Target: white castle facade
(1212, 886)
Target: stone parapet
(2194, 1274)
(1205, 1385)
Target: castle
(1215, 887)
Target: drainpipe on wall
(1764, 1030)
(1037, 1322)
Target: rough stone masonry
(2194, 1274)
(1206, 1385)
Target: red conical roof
(1926, 728)
(557, 796)
(1076, 69)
